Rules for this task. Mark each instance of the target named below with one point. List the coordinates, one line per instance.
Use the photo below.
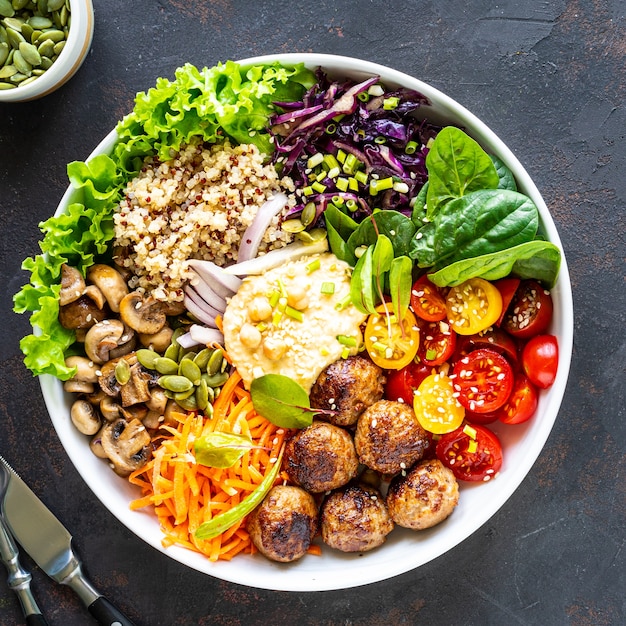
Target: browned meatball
(348, 387)
(321, 457)
(389, 438)
(284, 524)
(355, 519)
(424, 497)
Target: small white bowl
(404, 549)
(71, 58)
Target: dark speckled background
(550, 78)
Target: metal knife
(19, 578)
(48, 542)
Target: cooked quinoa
(198, 205)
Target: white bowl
(71, 58)
(404, 549)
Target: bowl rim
(80, 37)
(407, 550)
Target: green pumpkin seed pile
(32, 35)
(191, 379)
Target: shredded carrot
(185, 494)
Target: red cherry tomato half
(540, 360)
(484, 380)
(472, 452)
(522, 402)
(482, 418)
(530, 311)
(507, 288)
(427, 300)
(437, 342)
(492, 338)
(402, 383)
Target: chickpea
(298, 297)
(274, 349)
(250, 336)
(259, 309)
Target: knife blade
(49, 544)
(19, 578)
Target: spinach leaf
(539, 260)
(423, 246)
(456, 165)
(505, 175)
(393, 224)
(339, 227)
(418, 213)
(483, 222)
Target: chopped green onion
(351, 164)
(308, 190)
(347, 340)
(294, 313)
(342, 184)
(313, 265)
(317, 186)
(411, 147)
(345, 353)
(389, 104)
(330, 161)
(274, 297)
(327, 288)
(341, 156)
(363, 96)
(320, 177)
(331, 129)
(315, 160)
(380, 140)
(334, 172)
(380, 185)
(338, 201)
(376, 90)
(276, 317)
(361, 177)
(342, 304)
(401, 187)
(353, 183)
(351, 205)
(431, 354)
(380, 347)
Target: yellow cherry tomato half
(391, 345)
(435, 404)
(473, 306)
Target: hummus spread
(293, 320)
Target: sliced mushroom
(110, 409)
(96, 296)
(143, 314)
(110, 282)
(136, 389)
(72, 285)
(158, 400)
(152, 420)
(158, 341)
(86, 370)
(78, 386)
(85, 417)
(128, 342)
(135, 412)
(102, 338)
(82, 313)
(127, 445)
(95, 445)
(96, 397)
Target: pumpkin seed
(189, 354)
(292, 226)
(183, 395)
(175, 383)
(53, 34)
(13, 22)
(4, 52)
(18, 5)
(308, 214)
(46, 63)
(6, 9)
(22, 64)
(30, 53)
(146, 357)
(7, 71)
(14, 37)
(215, 362)
(216, 380)
(172, 352)
(46, 48)
(58, 47)
(39, 23)
(6, 86)
(122, 372)
(165, 366)
(190, 370)
(202, 358)
(55, 5)
(189, 404)
(202, 395)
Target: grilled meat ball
(389, 438)
(321, 457)
(424, 497)
(284, 524)
(348, 386)
(355, 519)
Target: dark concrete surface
(550, 79)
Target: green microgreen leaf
(220, 449)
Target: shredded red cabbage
(341, 117)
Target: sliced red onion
(192, 294)
(272, 259)
(253, 236)
(222, 283)
(204, 291)
(199, 309)
(200, 335)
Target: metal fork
(19, 578)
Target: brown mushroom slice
(127, 344)
(78, 386)
(82, 313)
(127, 445)
(72, 285)
(85, 417)
(144, 314)
(110, 282)
(159, 342)
(95, 445)
(86, 370)
(110, 408)
(102, 338)
(136, 389)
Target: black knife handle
(36, 619)
(107, 614)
